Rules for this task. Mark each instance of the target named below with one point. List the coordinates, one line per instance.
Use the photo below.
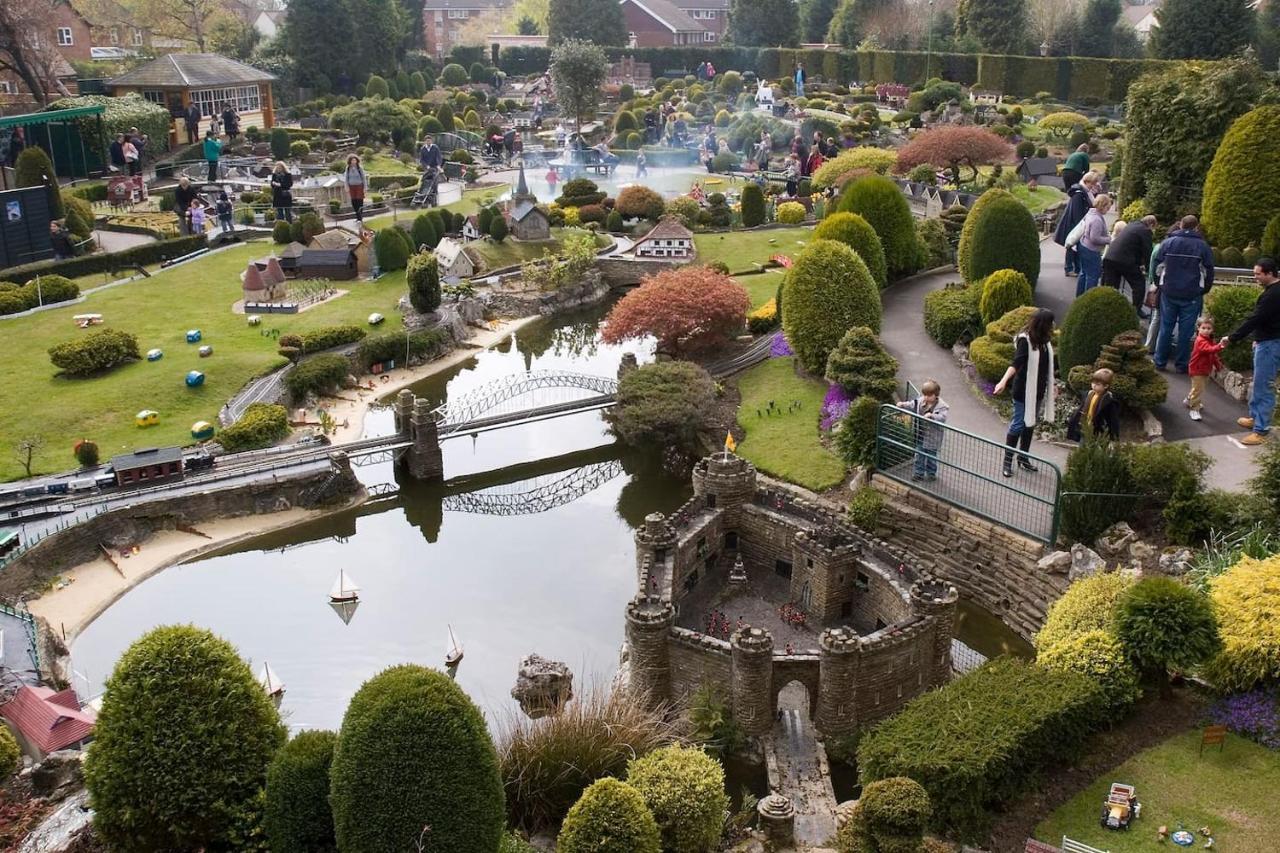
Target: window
(731, 540)
(703, 14)
(64, 37)
(708, 36)
(155, 97)
(459, 14)
(862, 582)
(6, 88)
(115, 35)
(782, 568)
(137, 37)
(711, 501)
(691, 581)
(846, 609)
(247, 99)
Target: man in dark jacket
(1076, 166)
(1127, 259)
(192, 117)
(1185, 279)
(1264, 325)
(1079, 202)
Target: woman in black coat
(1079, 202)
(282, 192)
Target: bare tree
(26, 450)
(26, 52)
(1053, 21)
(186, 20)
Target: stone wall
(527, 303)
(765, 537)
(621, 272)
(880, 604)
(988, 563)
(697, 660)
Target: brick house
(661, 23)
(712, 14)
(442, 21)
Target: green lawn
(742, 249)
(511, 252)
(786, 445)
(1040, 199)
(1232, 792)
(381, 164)
(762, 287)
(158, 311)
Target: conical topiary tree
(753, 212)
(878, 200)
(1002, 291)
(1136, 382)
(391, 248)
(297, 817)
(827, 291)
(424, 232)
(861, 366)
(422, 274)
(1092, 322)
(414, 752)
(953, 219)
(32, 170)
(1245, 168)
(856, 233)
(999, 233)
(609, 817)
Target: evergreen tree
(1098, 28)
(1000, 26)
(578, 69)
(1268, 38)
(597, 21)
(846, 26)
(310, 24)
(377, 38)
(1202, 29)
(815, 18)
(763, 23)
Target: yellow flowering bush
(763, 318)
(791, 213)
(1246, 599)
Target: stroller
(428, 194)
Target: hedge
(1092, 322)
(951, 314)
(1245, 168)
(95, 352)
(122, 113)
(828, 290)
(999, 234)
(392, 346)
(327, 337)
(317, 375)
(107, 262)
(1229, 305)
(261, 425)
(983, 739)
(50, 290)
(296, 816)
(1100, 657)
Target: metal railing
(21, 613)
(964, 470)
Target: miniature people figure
(928, 437)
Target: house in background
(661, 23)
(1043, 169)
(1142, 17)
(444, 20)
(713, 15)
(269, 22)
(44, 721)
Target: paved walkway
(921, 358)
(800, 763)
(118, 241)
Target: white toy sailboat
(454, 654)
(270, 681)
(344, 588)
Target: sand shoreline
(91, 587)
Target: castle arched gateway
(822, 603)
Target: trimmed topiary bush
(684, 789)
(879, 201)
(860, 365)
(992, 353)
(790, 213)
(297, 818)
(1003, 291)
(834, 172)
(498, 229)
(317, 375)
(1136, 383)
(281, 233)
(999, 233)
(94, 353)
(753, 210)
(1247, 600)
(423, 276)
(1098, 488)
(261, 425)
(424, 232)
(391, 249)
(413, 751)
(1229, 305)
(856, 233)
(856, 439)
(1165, 625)
(610, 817)
(326, 337)
(890, 817)
(182, 743)
(937, 248)
(828, 290)
(1088, 605)
(31, 169)
(1093, 321)
(1101, 658)
(951, 314)
(640, 201)
(1246, 168)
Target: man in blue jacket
(1186, 278)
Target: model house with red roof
(45, 721)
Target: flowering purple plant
(1255, 715)
(780, 347)
(835, 406)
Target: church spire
(522, 187)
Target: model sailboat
(271, 682)
(453, 656)
(344, 588)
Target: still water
(553, 578)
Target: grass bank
(786, 444)
(741, 250)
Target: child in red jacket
(1204, 361)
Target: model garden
(830, 284)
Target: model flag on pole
(730, 445)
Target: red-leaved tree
(955, 146)
(687, 310)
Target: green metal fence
(964, 470)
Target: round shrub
(1247, 600)
(856, 233)
(413, 751)
(299, 149)
(998, 234)
(614, 223)
(879, 201)
(933, 237)
(951, 315)
(890, 816)
(640, 201)
(1232, 257)
(281, 232)
(1229, 306)
(687, 209)
(1088, 605)
(753, 208)
(587, 213)
(454, 74)
(827, 291)
(498, 229)
(610, 817)
(1093, 320)
(1100, 657)
(1164, 624)
(296, 816)
(1003, 291)
(684, 789)
(790, 213)
(30, 171)
(835, 171)
(98, 351)
(1245, 168)
(182, 743)
(391, 249)
(279, 141)
(50, 289)
(430, 124)
(856, 438)
(86, 453)
(10, 754)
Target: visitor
(60, 241)
(764, 149)
(650, 126)
(354, 176)
(791, 173)
(132, 160)
(1264, 325)
(1032, 400)
(537, 110)
(701, 72)
(115, 153)
(928, 437)
(184, 195)
(1093, 239)
(192, 117)
(815, 161)
(679, 131)
(196, 215)
(429, 156)
(799, 78)
(1205, 359)
(17, 143)
(282, 192)
(707, 151)
(212, 151)
(607, 157)
(642, 165)
(225, 212)
(711, 72)
(1076, 166)
(801, 151)
(1127, 258)
(1099, 410)
(230, 122)
(1079, 201)
(215, 124)
(1186, 277)
(552, 178)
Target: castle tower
(752, 674)
(838, 667)
(825, 566)
(725, 482)
(425, 459)
(655, 552)
(937, 599)
(648, 623)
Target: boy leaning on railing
(928, 436)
